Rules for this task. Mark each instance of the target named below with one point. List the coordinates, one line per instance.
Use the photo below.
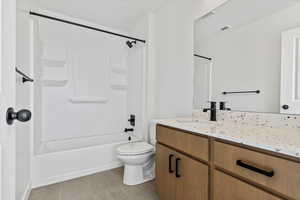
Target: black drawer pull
(177, 168)
(170, 164)
(255, 169)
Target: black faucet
(223, 106)
(213, 111)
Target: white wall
(171, 71)
(173, 54)
(249, 58)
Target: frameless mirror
(247, 54)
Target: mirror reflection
(247, 55)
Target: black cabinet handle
(170, 163)
(177, 168)
(255, 169)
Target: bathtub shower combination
(87, 85)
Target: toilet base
(137, 174)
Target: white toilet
(138, 158)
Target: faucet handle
(223, 105)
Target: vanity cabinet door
(165, 172)
(179, 177)
(191, 179)
(229, 188)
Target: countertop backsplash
(270, 120)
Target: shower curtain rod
(85, 26)
(207, 58)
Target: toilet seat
(135, 148)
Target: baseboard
(27, 192)
(76, 174)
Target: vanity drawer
(193, 145)
(229, 188)
(272, 172)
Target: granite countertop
(280, 140)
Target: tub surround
(276, 133)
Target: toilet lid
(135, 148)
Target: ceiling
(236, 13)
(120, 14)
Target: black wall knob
(285, 107)
(22, 116)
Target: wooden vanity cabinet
(179, 177)
(195, 167)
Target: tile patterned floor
(102, 186)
